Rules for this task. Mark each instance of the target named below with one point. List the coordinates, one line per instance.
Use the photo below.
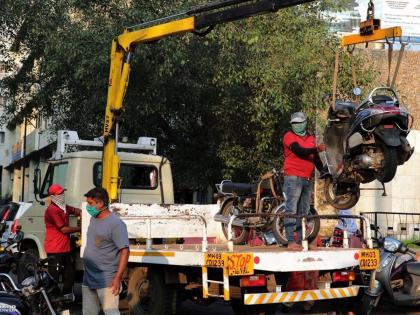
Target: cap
(297, 117)
(55, 189)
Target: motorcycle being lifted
(264, 197)
(364, 142)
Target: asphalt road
(222, 308)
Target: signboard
(239, 264)
(404, 13)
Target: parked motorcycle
(264, 197)
(398, 276)
(364, 142)
(37, 294)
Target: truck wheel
(30, 257)
(240, 309)
(149, 295)
(279, 232)
(240, 234)
(340, 200)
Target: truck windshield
(133, 176)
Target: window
(56, 174)
(133, 176)
(2, 137)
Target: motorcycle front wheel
(339, 200)
(240, 234)
(279, 230)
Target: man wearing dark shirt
(300, 158)
(57, 238)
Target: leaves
(218, 105)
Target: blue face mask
(299, 128)
(92, 211)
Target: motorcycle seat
(412, 268)
(344, 109)
(241, 189)
(382, 99)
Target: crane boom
(193, 20)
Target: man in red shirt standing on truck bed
(57, 238)
(300, 158)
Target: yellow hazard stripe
(300, 296)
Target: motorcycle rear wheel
(389, 165)
(279, 231)
(340, 201)
(240, 233)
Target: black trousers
(66, 272)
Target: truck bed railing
(149, 219)
(365, 226)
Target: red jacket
(293, 164)
(55, 241)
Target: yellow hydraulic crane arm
(193, 20)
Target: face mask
(92, 211)
(299, 128)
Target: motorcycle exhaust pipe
(225, 220)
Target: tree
(218, 105)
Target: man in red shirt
(300, 158)
(57, 238)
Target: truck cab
(144, 178)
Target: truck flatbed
(266, 258)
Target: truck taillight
(253, 281)
(343, 276)
(16, 226)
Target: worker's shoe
(294, 246)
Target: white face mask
(59, 201)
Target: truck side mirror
(37, 185)
(37, 180)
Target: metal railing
(149, 220)
(365, 225)
(400, 225)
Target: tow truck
(252, 278)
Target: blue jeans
(298, 200)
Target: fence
(400, 225)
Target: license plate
(214, 260)
(369, 259)
(237, 264)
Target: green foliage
(218, 105)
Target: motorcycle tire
(389, 165)
(368, 304)
(241, 234)
(277, 226)
(343, 201)
(30, 257)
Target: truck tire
(30, 257)
(241, 234)
(240, 309)
(148, 294)
(278, 226)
